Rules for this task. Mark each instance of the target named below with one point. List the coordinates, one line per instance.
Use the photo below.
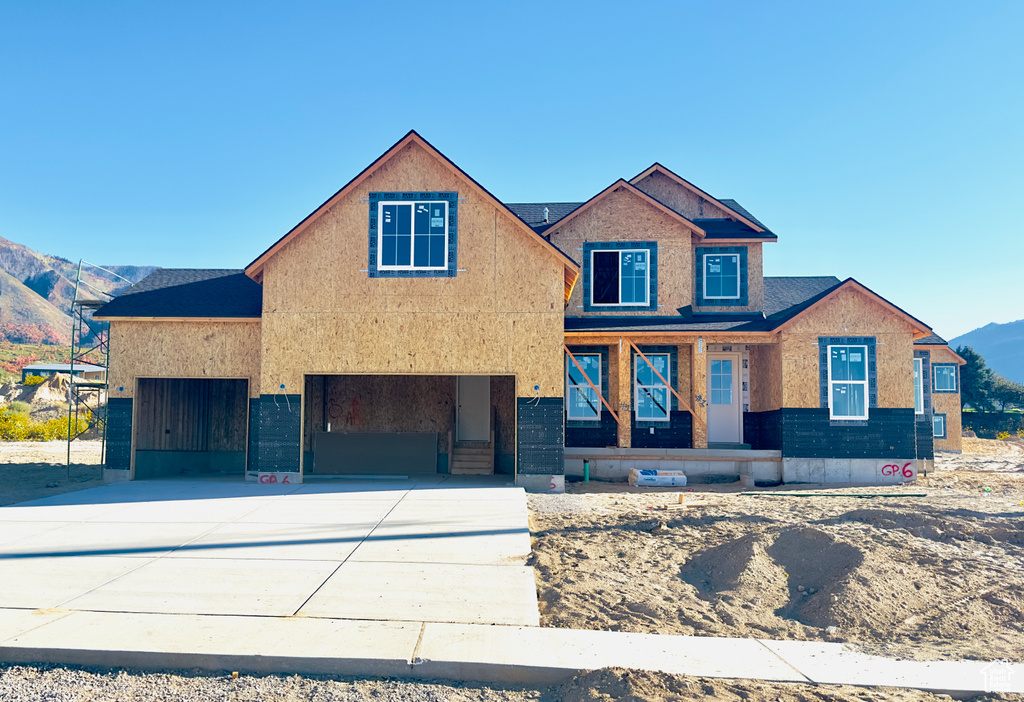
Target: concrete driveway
(439, 549)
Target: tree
(977, 380)
(1007, 393)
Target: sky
(881, 141)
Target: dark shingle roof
(533, 212)
(740, 209)
(784, 298)
(931, 340)
(730, 229)
(189, 292)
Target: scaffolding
(90, 345)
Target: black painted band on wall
(539, 436)
(677, 433)
(275, 429)
(119, 433)
(801, 432)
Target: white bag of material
(659, 478)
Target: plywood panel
(625, 216)
(765, 377)
(323, 314)
(682, 200)
(949, 404)
(850, 313)
(183, 350)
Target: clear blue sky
(879, 140)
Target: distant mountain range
(36, 291)
(1001, 345)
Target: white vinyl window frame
(918, 386)
(639, 389)
(647, 278)
(739, 283)
(582, 389)
(938, 420)
(833, 383)
(948, 373)
(381, 266)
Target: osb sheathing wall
(948, 404)
(624, 216)
(765, 377)
(501, 314)
(183, 350)
(682, 200)
(849, 313)
(755, 276)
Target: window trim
(831, 383)
(739, 276)
(699, 285)
(652, 276)
(375, 245)
(619, 252)
(956, 377)
(918, 386)
(945, 431)
(570, 386)
(381, 266)
(637, 386)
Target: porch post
(623, 393)
(699, 389)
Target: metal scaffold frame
(90, 342)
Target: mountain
(36, 291)
(1001, 345)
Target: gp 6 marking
(271, 479)
(895, 470)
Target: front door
(724, 425)
(474, 414)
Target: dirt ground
(32, 683)
(30, 470)
(934, 577)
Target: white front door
(724, 396)
(474, 412)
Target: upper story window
(620, 275)
(848, 382)
(413, 234)
(945, 379)
(721, 276)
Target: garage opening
(409, 424)
(190, 426)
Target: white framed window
(582, 402)
(848, 382)
(651, 400)
(939, 426)
(945, 377)
(412, 235)
(918, 386)
(722, 276)
(620, 277)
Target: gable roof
(921, 329)
(621, 184)
(188, 293)
(256, 267)
(730, 206)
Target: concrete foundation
(857, 471)
(614, 464)
(541, 483)
(116, 476)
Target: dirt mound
(644, 686)
(52, 391)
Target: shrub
(31, 380)
(1002, 435)
(18, 426)
(20, 407)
